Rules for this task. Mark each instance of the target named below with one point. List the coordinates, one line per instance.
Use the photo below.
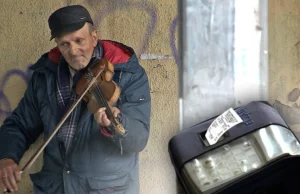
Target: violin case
(279, 176)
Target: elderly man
(84, 156)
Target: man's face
(77, 47)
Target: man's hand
(101, 117)
(9, 175)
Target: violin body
(103, 93)
(107, 86)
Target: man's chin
(78, 66)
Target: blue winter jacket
(95, 163)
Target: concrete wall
(284, 59)
(148, 26)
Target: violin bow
(42, 147)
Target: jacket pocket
(138, 98)
(109, 184)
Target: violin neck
(103, 103)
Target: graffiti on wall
(5, 104)
(110, 8)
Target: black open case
(278, 176)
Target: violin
(105, 91)
(97, 87)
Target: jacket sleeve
(23, 127)
(135, 107)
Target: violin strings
(101, 100)
(101, 97)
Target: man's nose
(73, 49)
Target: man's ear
(56, 41)
(95, 38)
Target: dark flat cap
(68, 19)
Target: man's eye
(79, 41)
(63, 44)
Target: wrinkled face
(77, 47)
